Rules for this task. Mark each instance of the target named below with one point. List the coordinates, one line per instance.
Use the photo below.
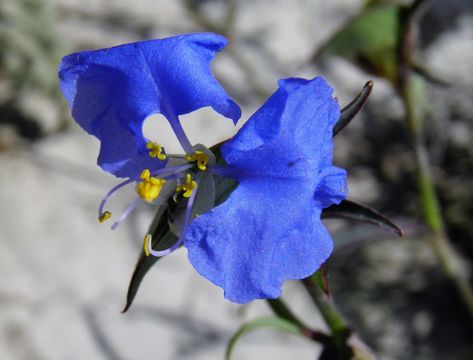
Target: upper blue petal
(269, 229)
(112, 91)
(290, 135)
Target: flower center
(149, 183)
(150, 187)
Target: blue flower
(269, 229)
(112, 91)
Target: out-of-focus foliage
(28, 46)
(383, 40)
(29, 53)
(370, 40)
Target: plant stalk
(329, 312)
(450, 261)
(281, 310)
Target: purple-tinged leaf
(353, 108)
(351, 210)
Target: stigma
(188, 187)
(201, 159)
(150, 187)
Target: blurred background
(64, 276)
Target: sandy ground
(63, 276)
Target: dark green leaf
(350, 111)
(223, 186)
(162, 238)
(354, 211)
(203, 202)
(272, 322)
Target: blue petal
(269, 229)
(332, 188)
(112, 91)
(265, 233)
(290, 135)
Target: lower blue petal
(263, 234)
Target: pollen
(150, 187)
(105, 216)
(201, 158)
(188, 187)
(155, 150)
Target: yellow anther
(155, 150)
(146, 241)
(188, 187)
(200, 157)
(150, 187)
(105, 216)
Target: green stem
(329, 312)
(339, 348)
(281, 310)
(450, 261)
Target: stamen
(147, 240)
(188, 187)
(127, 212)
(173, 170)
(200, 157)
(105, 216)
(150, 187)
(156, 150)
(147, 247)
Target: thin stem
(343, 344)
(281, 310)
(112, 191)
(450, 261)
(329, 312)
(127, 212)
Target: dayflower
(269, 229)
